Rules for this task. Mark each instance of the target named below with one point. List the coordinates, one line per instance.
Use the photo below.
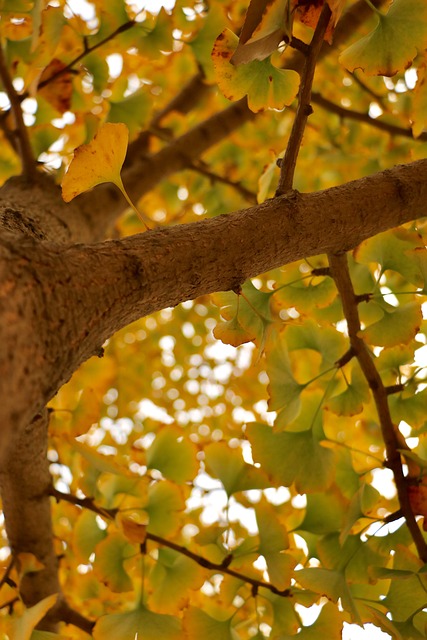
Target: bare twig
(304, 107)
(340, 273)
(87, 50)
(25, 151)
(393, 129)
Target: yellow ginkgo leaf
(99, 161)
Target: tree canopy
(213, 266)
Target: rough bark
(62, 301)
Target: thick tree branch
(24, 485)
(64, 302)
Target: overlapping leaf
(139, 623)
(266, 86)
(393, 44)
(292, 457)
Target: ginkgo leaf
(307, 294)
(417, 494)
(140, 623)
(411, 408)
(164, 508)
(324, 513)
(284, 391)
(231, 332)
(86, 535)
(329, 583)
(24, 626)
(328, 625)
(111, 554)
(133, 531)
(227, 465)
(350, 402)
(390, 250)
(267, 23)
(247, 316)
(361, 504)
(173, 578)
(273, 541)
(292, 457)
(309, 12)
(59, 90)
(173, 455)
(393, 44)
(266, 86)
(419, 110)
(398, 324)
(198, 624)
(28, 563)
(97, 162)
(405, 597)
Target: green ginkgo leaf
(350, 402)
(267, 23)
(266, 86)
(292, 457)
(390, 250)
(198, 624)
(227, 465)
(173, 455)
(111, 553)
(398, 325)
(394, 42)
(140, 623)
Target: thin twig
(304, 107)
(340, 273)
(70, 616)
(25, 151)
(393, 129)
(223, 567)
(87, 50)
(5, 577)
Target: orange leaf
(59, 90)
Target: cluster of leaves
(208, 490)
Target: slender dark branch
(222, 567)
(70, 616)
(9, 603)
(124, 27)
(85, 503)
(393, 129)
(248, 195)
(304, 107)
(199, 167)
(394, 388)
(376, 96)
(5, 577)
(392, 440)
(215, 566)
(25, 151)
